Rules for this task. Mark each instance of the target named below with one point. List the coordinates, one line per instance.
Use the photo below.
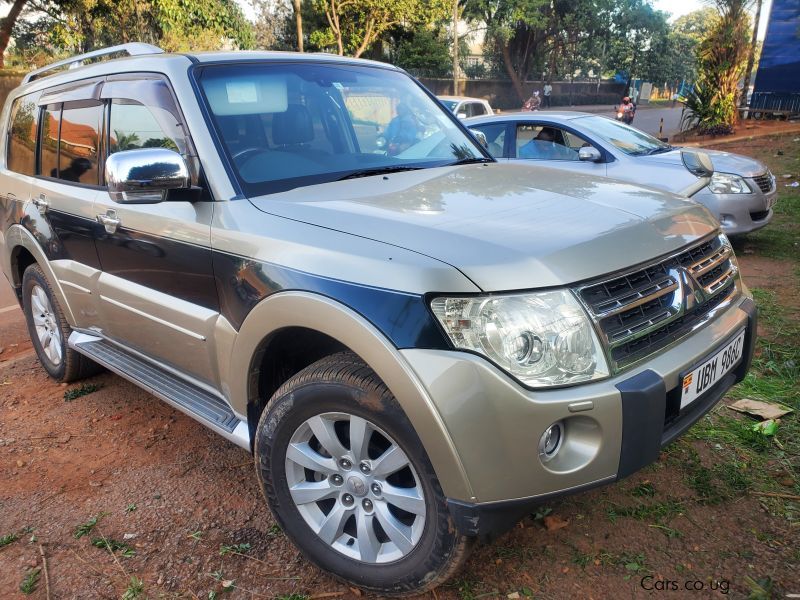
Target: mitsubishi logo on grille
(689, 293)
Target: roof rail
(132, 49)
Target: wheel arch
(24, 250)
(294, 316)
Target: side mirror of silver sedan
(589, 154)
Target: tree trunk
(455, 47)
(751, 59)
(7, 27)
(298, 19)
(515, 80)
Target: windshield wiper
(470, 161)
(660, 150)
(377, 171)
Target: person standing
(547, 91)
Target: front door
(552, 146)
(157, 290)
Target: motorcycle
(625, 113)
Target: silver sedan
(741, 193)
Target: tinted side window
(21, 147)
(79, 140)
(48, 147)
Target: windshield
(449, 104)
(626, 138)
(290, 125)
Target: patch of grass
(670, 532)
(274, 530)
(135, 589)
(644, 490)
(760, 589)
(582, 559)
(234, 549)
(658, 511)
(31, 580)
(83, 390)
(86, 528)
(635, 564)
(466, 587)
(8, 539)
(517, 553)
(113, 545)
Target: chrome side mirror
(144, 175)
(589, 154)
(481, 137)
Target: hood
(505, 226)
(724, 162)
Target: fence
(501, 93)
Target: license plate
(712, 370)
(771, 201)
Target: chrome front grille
(765, 181)
(641, 311)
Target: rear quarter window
(21, 143)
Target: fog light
(551, 441)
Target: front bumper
(740, 213)
(616, 426)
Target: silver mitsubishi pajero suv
(309, 255)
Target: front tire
(349, 482)
(49, 330)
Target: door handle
(109, 220)
(40, 203)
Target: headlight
(727, 183)
(542, 339)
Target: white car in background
(464, 107)
(741, 193)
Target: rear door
(64, 190)
(157, 289)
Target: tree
(516, 31)
(721, 57)
(73, 26)
(425, 51)
(354, 25)
(298, 19)
(751, 59)
(7, 26)
(273, 28)
(723, 54)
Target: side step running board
(209, 409)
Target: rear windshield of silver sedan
(628, 139)
(287, 125)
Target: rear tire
(341, 415)
(49, 330)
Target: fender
(17, 235)
(322, 314)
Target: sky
(678, 8)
